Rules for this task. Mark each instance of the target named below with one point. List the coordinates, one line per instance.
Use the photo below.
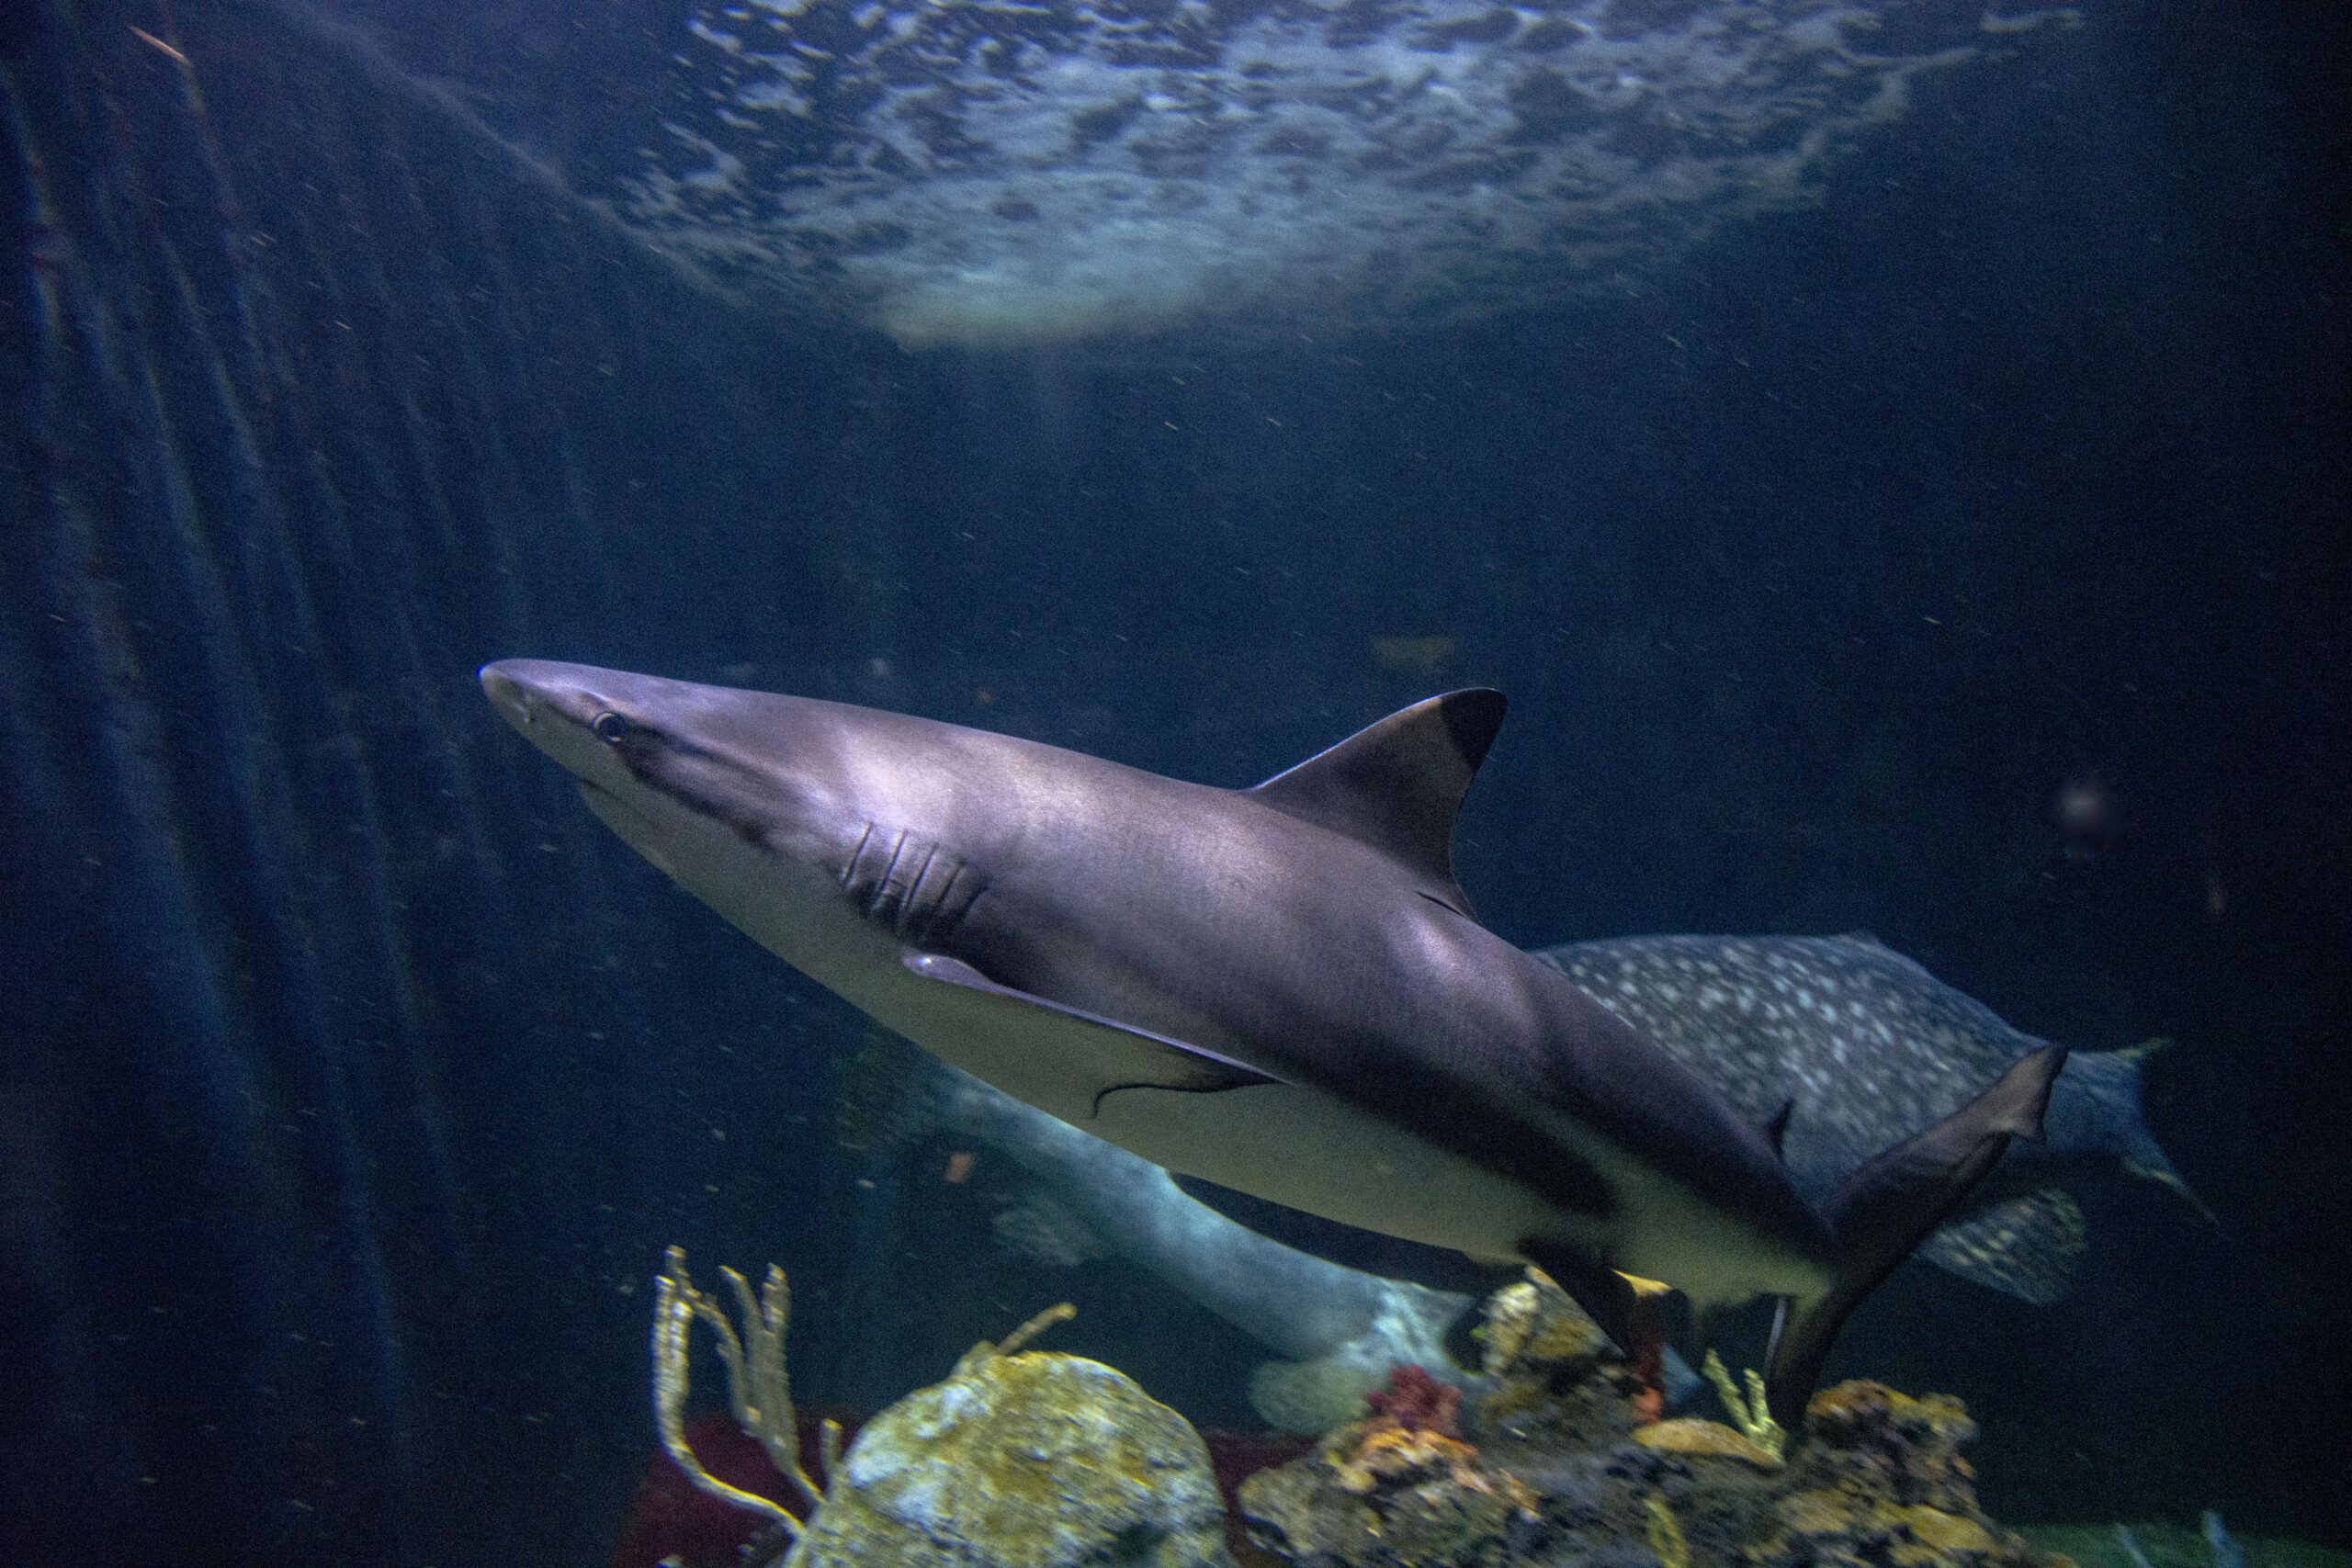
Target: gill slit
(849, 868)
(910, 906)
(940, 906)
(882, 888)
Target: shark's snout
(528, 691)
(506, 694)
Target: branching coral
(1749, 1412)
(757, 1388)
(983, 1353)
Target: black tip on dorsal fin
(1398, 785)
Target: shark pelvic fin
(1398, 784)
(1888, 1207)
(1609, 1298)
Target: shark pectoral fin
(1888, 1207)
(1064, 1060)
(1352, 1247)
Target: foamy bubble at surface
(978, 172)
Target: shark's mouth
(994, 171)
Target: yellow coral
(1947, 1532)
(1666, 1534)
(1393, 1452)
(1814, 1513)
(1685, 1435)
(1749, 1413)
(757, 1389)
(1426, 1460)
(981, 1354)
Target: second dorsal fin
(1398, 785)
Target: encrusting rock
(1035, 1461)
(1042, 1461)
(1554, 1465)
(1401, 1487)
(1881, 1482)
(1685, 1436)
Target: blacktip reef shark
(1281, 989)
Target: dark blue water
(353, 1079)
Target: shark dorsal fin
(1776, 1129)
(1398, 785)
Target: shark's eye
(608, 725)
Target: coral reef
(1401, 1487)
(1881, 1480)
(1039, 1461)
(1031, 1460)
(1555, 1379)
(1418, 1402)
(1556, 1463)
(1028, 1461)
(1686, 1436)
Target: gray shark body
(1865, 1048)
(1280, 990)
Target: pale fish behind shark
(1866, 1048)
(1279, 989)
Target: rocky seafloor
(1561, 1460)
(1559, 1456)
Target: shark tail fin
(1888, 1207)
